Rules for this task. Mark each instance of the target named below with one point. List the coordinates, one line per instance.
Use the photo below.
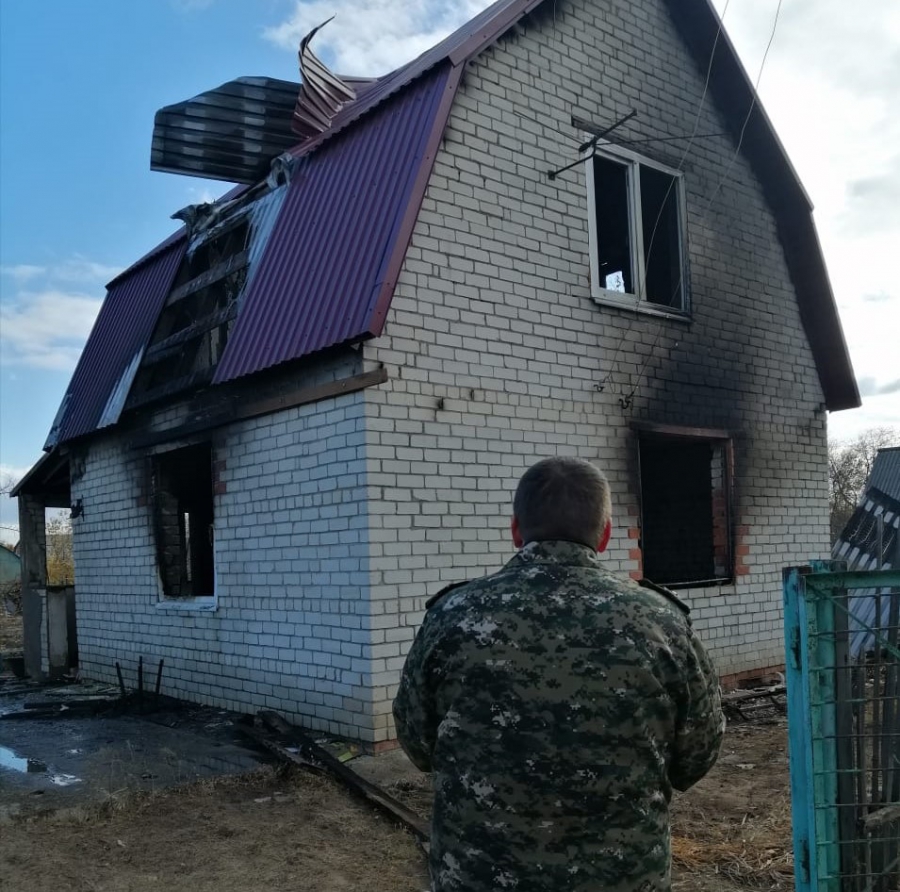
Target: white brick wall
(493, 344)
(290, 628)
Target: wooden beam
(675, 430)
(242, 411)
(310, 752)
(219, 271)
(194, 379)
(201, 326)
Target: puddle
(9, 759)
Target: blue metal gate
(842, 640)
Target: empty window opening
(183, 521)
(636, 244)
(685, 519)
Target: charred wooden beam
(219, 271)
(243, 410)
(310, 753)
(200, 327)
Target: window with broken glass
(636, 228)
(182, 498)
(686, 536)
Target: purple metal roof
(345, 222)
(458, 47)
(120, 334)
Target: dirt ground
(296, 831)
(10, 632)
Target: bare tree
(849, 465)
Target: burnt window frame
(198, 583)
(637, 299)
(722, 501)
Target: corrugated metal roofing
(885, 474)
(459, 46)
(320, 277)
(870, 541)
(115, 345)
(230, 133)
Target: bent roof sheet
(345, 222)
(119, 335)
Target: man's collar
(557, 551)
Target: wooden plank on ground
(310, 753)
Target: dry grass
(11, 633)
(269, 830)
(757, 854)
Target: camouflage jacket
(557, 705)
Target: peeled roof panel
(325, 263)
(121, 332)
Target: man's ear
(604, 537)
(518, 541)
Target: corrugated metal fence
(843, 680)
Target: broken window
(685, 510)
(182, 487)
(636, 231)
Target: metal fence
(842, 638)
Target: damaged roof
(326, 273)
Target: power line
(642, 285)
(722, 179)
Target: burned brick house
(568, 228)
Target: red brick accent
(141, 501)
(634, 533)
(220, 488)
(764, 676)
(385, 746)
(635, 554)
(636, 574)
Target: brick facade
(334, 522)
(494, 345)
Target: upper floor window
(636, 232)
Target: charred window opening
(685, 510)
(636, 232)
(194, 326)
(182, 487)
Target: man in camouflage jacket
(558, 706)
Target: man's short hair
(562, 498)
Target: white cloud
(372, 37)
(48, 311)
(46, 329)
(22, 272)
(830, 88)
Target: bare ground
(290, 831)
(10, 632)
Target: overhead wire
(642, 285)
(753, 101)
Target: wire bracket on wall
(625, 401)
(592, 145)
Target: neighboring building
(871, 541)
(9, 564)
(306, 412)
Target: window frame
(166, 600)
(632, 162)
(715, 437)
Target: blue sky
(80, 81)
